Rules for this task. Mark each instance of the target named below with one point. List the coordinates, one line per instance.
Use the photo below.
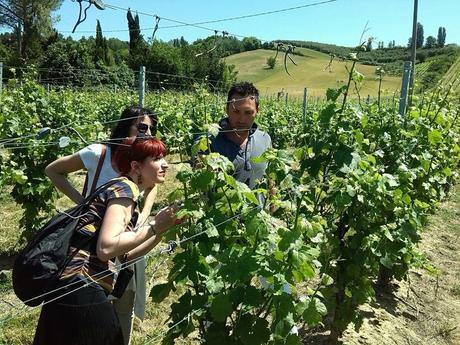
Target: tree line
(430, 41)
(96, 60)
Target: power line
(156, 16)
(182, 23)
(252, 15)
(198, 24)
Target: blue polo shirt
(245, 171)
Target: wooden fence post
(305, 105)
(141, 85)
(405, 87)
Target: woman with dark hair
(99, 162)
(133, 120)
(85, 316)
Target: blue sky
(339, 22)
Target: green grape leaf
(293, 339)
(327, 113)
(435, 137)
(313, 314)
(160, 292)
(221, 307)
(200, 146)
(201, 180)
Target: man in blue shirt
(240, 139)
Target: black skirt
(84, 317)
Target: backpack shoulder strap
(100, 163)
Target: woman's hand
(165, 219)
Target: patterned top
(85, 264)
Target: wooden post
(287, 96)
(305, 105)
(141, 85)
(405, 87)
(413, 51)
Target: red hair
(137, 150)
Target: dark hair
(128, 117)
(243, 89)
(137, 150)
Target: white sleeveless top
(90, 158)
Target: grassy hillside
(311, 72)
(392, 58)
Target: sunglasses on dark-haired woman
(143, 128)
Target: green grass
(310, 72)
(10, 232)
(9, 226)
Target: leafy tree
(72, 63)
(271, 61)
(420, 37)
(179, 42)
(31, 21)
(268, 45)
(231, 45)
(163, 58)
(441, 41)
(369, 45)
(251, 43)
(69, 62)
(4, 53)
(421, 56)
(137, 44)
(430, 42)
(101, 50)
(119, 50)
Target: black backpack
(41, 262)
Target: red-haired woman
(99, 162)
(85, 316)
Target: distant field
(310, 73)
